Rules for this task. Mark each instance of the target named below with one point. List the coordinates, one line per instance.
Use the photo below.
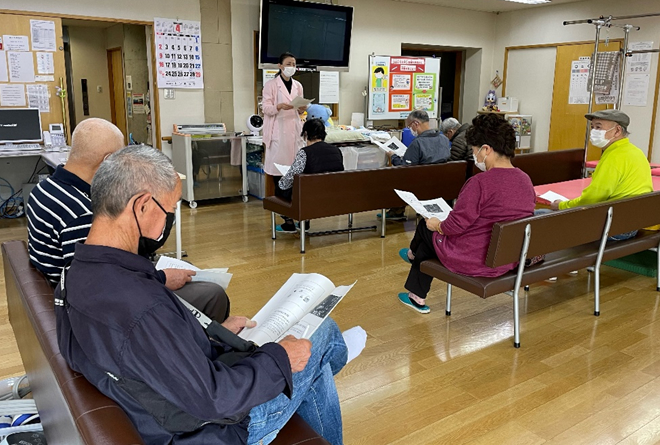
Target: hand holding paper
(282, 168)
(550, 197)
(433, 208)
(301, 102)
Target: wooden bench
(72, 410)
(571, 240)
(344, 193)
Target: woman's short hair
(495, 131)
(314, 129)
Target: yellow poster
(379, 78)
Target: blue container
(407, 136)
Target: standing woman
(282, 125)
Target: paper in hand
(282, 168)
(551, 197)
(301, 102)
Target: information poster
(578, 90)
(399, 85)
(178, 53)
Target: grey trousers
(209, 298)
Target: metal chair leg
(272, 225)
(382, 223)
(599, 260)
(302, 237)
(516, 318)
(448, 302)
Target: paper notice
(21, 66)
(16, 43)
(639, 63)
(38, 97)
(45, 63)
(400, 102)
(12, 95)
(401, 82)
(43, 35)
(44, 78)
(4, 77)
(578, 90)
(636, 90)
(329, 87)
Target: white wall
(379, 26)
(531, 84)
(188, 107)
(545, 25)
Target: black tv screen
(20, 125)
(317, 34)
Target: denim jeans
(314, 395)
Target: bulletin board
(32, 65)
(399, 85)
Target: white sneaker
(355, 339)
(591, 269)
(551, 279)
(574, 272)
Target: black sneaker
(305, 224)
(287, 227)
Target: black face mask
(148, 246)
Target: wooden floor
(432, 379)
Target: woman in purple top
(501, 193)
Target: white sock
(355, 339)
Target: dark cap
(617, 116)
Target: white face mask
(480, 165)
(289, 71)
(379, 75)
(597, 137)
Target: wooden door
(50, 77)
(567, 122)
(117, 93)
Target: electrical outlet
(99, 89)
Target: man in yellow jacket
(622, 172)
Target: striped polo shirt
(59, 214)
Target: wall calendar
(178, 53)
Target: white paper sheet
(329, 87)
(578, 90)
(433, 208)
(45, 63)
(12, 95)
(21, 66)
(639, 63)
(43, 35)
(44, 78)
(16, 43)
(393, 145)
(4, 76)
(551, 196)
(220, 276)
(38, 97)
(301, 102)
(636, 90)
(282, 168)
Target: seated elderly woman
(501, 193)
(317, 157)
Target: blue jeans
(314, 395)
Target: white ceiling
(484, 5)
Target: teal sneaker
(405, 299)
(403, 253)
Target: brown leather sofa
(570, 240)
(73, 411)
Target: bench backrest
(570, 228)
(72, 411)
(548, 167)
(328, 194)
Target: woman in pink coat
(282, 124)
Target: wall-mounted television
(318, 34)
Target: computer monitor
(20, 125)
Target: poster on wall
(398, 85)
(178, 53)
(578, 89)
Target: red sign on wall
(407, 65)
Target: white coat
(281, 128)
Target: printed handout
(393, 145)
(551, 197)
(297, 309)
(219, 276)
(301, 102)
(434, 208)
(282, 168)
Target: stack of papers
(301, 102)
(433, 208)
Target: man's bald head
(93, 140)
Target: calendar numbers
(179, 54)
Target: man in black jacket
(129, 335)
(456, 132)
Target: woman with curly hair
(501, 193)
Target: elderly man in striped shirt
(59, 214)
